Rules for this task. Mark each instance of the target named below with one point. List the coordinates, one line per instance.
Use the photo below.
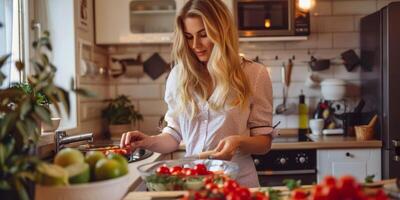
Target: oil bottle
(303, 115)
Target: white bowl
(113, 189)
(333, 89)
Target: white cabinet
(356, 162)
(135, 21)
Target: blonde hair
(229, 81)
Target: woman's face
(196, 36)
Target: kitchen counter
(329, 142)
(323, 142)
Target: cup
(312, 80)
(316, 126)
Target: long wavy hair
(230, 84)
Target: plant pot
(116, 130)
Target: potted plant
(21, 116)
(121, 116)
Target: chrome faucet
(61, 138)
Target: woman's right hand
(135, 139)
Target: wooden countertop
(321, 142)
(329, 142)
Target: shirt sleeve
(171, 117)
(260, 119)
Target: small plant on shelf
(121, 115)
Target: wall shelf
(273, 38)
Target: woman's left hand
(227, 147)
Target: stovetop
(291, 138)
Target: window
(11, 38)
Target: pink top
(209, 126)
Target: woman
(219, 104)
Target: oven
(280, 164)
(255, 18)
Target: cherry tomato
(176, 170)
(260, 196)
(208, 179)
(298, 194)
(233, 195)
(231, 185)
(244, 193)
(331, 192)
(184, 170)
(191, 172)
(210, 186)
(201, 169)
(347, 186)
(329, 181)
(163, 170)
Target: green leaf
(7, 123)
(23, 131)
(292, 184)
(64, 99)
(43, 114)
(3, 59)
(2, 154)
(2, 78)
(25, 108)
(85, 93)
(22, 193)
(369, 178)
(4, 185)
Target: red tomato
(210, 186)
(184, 170)
(231, 185)
(201, 169)
(380, 195)
(233, 196)
(347, 186)
(331, 192)
(260, 196)
(208, 179)
(191, 172)
(244, 193)
(163, 170)
(176, 170)
(298, 194)
(329, 181)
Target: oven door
(265, 17)
(271, 178)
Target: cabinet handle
(349, 155)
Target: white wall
(62, 33)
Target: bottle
(303, 114)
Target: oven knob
(302, 159)
(282, 161)
(256, 161)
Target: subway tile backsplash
(335, 29)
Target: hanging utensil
(281, 108)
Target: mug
(316, 126)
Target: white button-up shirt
(209, 126)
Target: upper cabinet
(135, 21)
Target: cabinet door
(355, 162)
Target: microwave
(258, 18)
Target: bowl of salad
(185, 174)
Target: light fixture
(267, 23)
(305, 5)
